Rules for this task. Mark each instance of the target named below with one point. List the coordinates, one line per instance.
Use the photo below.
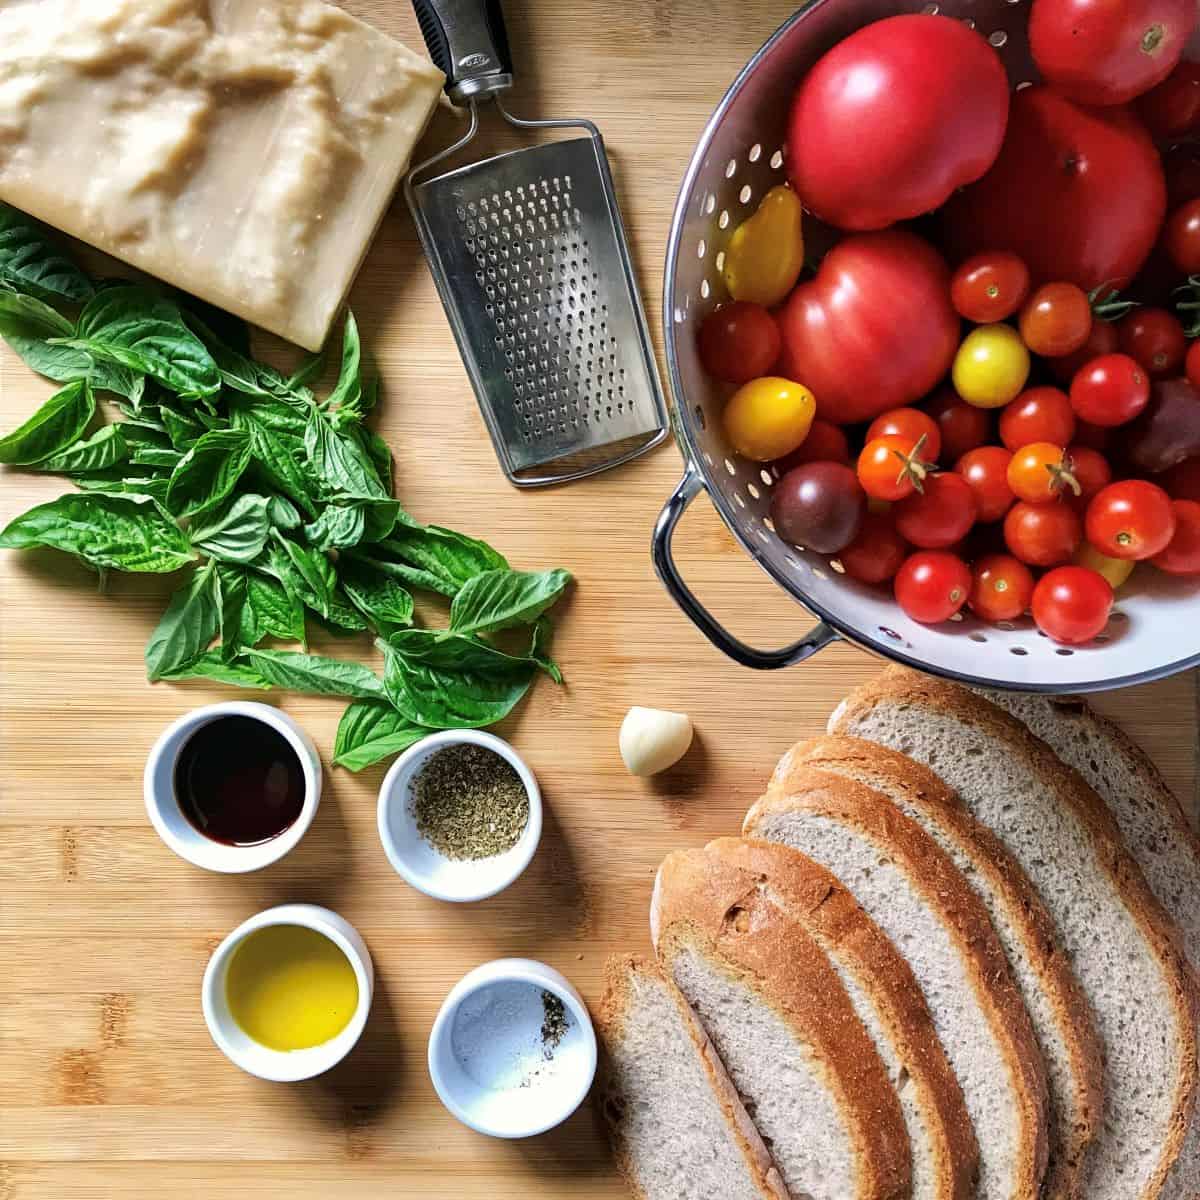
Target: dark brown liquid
(239, 781)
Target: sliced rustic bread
(1155, 828)
(916, 895)
(878, 981)
(1122, 946)
(781, 1021)
(679, 1130)
(1060, 1013)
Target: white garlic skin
(652, 739)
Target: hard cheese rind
(243, 150)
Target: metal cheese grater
(529, 257)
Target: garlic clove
(652, 739)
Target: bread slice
(881, 987)
(1061, 1015)
(1122, 946)
(679, 1130)
(1155, 828)
(916, 895)
(781, 1021)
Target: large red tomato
(1077, 193)
(894, 118)
(874, 329)
(1108, 51)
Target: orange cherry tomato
(1056, 319)
(920, 428)
(1042, 535)
(889, 468)
(1001, 588)
(1039, 473)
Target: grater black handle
(468, 41)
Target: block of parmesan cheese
(242, 150)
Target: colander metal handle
(816, 639)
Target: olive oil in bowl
(289, 987)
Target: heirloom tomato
(1172, 109)
(766, 251)
(895, 117)
(877, 551)
(874, 329)
(739, 342)
(768, 418)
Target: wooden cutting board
(109, 1085)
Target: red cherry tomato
(938, 516)
(1110, 391)
(1102, 340)
(1131, 519)
(986, 471)
(876, 553)
(962, 425)
(1090, 470)
(931, 586)
(889, 468)
(1172, 109)
(1001, 588)
(1056, 319)
(1039, 414)
(1191, 364)
(1182, 555)
(1042, 535)
(1154, 338)
(1108, 53)
(989, 287)
(825, 443)
(739, 341)
(1182, 481)
(1038, 473)
(910, 423)
(1071, 604)
(1181, 237)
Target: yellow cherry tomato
(766, 252)
(1115, 570)
(991, 366)
(768, 418)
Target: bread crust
(904, 686)
(812, 896)
(706, 905)
(1027, 914)
(945, 890)
(619, 973)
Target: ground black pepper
(555, 1023)
(469, 803)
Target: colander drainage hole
(1064, 652)
(776, 160)
(701, 419)
(755, 152)
(890, 633)
(1020, 651)
(977, 637)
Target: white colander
(1155, 626)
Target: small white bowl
(286, 1066)
(423, 866)
(180, 834)
(485, 1050)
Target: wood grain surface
(109, 1085)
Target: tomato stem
(912, 466)
(1062, 476)
(1153, 38)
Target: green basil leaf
(239, 371)
(155, 456)
(53, 428)
(117, 481)
(370, 730)
(380, 455)
(347, 392)
(315, 674)
(187, 627)
(210, 665)
(343, 618)
(539, 649)
(141, 329)
(270, 611)
(308, 573)
(444, 560)
(183, 430)
(450, 681)
(283, 514)
(105, 448)
(235, 532)
(231, 592)
(208, 472)
(338, 527)
(375, 594)
(123, 533)
(32, 261)
(494, 600)
(29, 317)
(283, 470)
(339, 461)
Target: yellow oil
(290, 987)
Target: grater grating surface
(532, 272)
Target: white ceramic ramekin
(511, 1108)
(286, 1066)
(180, 834)
(414, 858)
